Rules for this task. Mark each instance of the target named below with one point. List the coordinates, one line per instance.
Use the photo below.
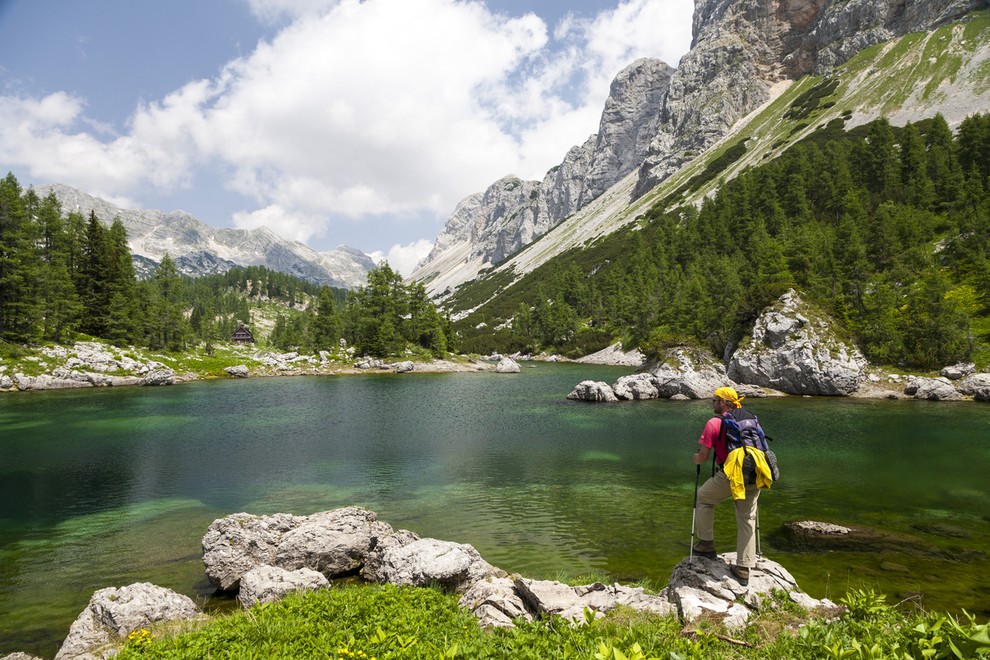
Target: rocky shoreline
(793, 349)
(262, 559)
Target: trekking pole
(694, 511)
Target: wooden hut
(242, 335)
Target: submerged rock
(809, 535)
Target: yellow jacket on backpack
(734, 473)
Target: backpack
(741, 428)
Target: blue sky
(330, 121)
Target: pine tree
(20, 265)
(61, 306)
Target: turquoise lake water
(108, 487)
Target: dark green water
(107, 487)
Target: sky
(330, 121)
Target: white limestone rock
(507, 366)
(932, 389)
(495, 603)
(267, 584)
(591, 390)
(331, 542)
(636, 387)
(454, 566)
(703, 588)
(162, 376)
(237, 371)
(114, 613)
(689, 372)
(794, 348)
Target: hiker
(720, 487)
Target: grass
(366, 622)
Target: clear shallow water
(107, 487)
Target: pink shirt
(710, 438)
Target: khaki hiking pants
(714, 491)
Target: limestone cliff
(487, 228)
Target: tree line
(66, 275)
(885, 228)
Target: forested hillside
(65, 276)
(886, 228)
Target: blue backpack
(741, 428)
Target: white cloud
(359, 109)
(404, 258)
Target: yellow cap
(730, 395)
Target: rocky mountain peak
(488, 227)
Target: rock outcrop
(705, 589)
(795, 349)
(591, 390)
(689, 372)
(114, 613)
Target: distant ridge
(199, 249)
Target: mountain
(749, 60)
(199, 249)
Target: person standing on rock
(718, 488)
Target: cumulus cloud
(404, 258)
(359, 109)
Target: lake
(107, 487)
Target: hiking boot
(705, 549)
(741, 573)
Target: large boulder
(237, 371)
(454, 566)
(267, 584)
(971, 384)
(333, 543)
(704, 589)
(507, 366)
(636, 387)
(932, 389)
(591, 390)
(957, 371)
(114, 613)
(689, 372)
(162, 376)
(795, 349)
